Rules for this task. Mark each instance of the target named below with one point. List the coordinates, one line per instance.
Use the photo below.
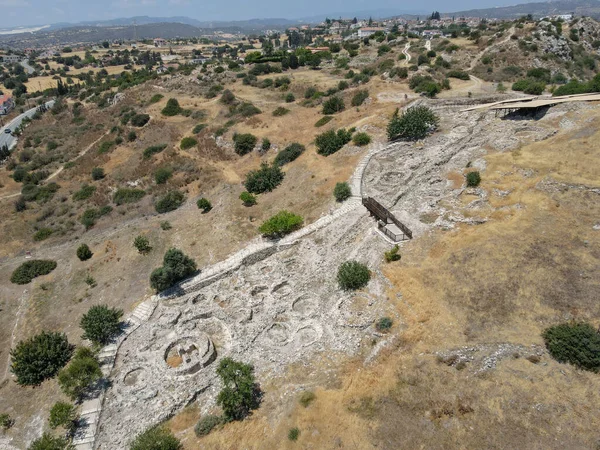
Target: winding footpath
(405, 52)
(257, 250)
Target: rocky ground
(287, 308)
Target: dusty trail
(477, 58)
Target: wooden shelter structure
(387, 223)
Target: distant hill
(590, 8)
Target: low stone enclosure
(278, 304)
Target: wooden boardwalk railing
(383, 214)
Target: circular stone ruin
(187, 355)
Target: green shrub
(101, 323)
(342, 191)
(32, 269)
(142, 244)
(6, 421)
(176, 267)
(166, 225)
(204, 205)
(289, 98)
(244, 143)
(540, 74)
(361, 139)
(384, 324)
(264, 179)
(83, 252)
(42, 234)
(162, 175)
(156, 438)
(248, 198)
(239, 394)
(265, 145)
(49, 442)
(281, 224)
(172, 108)
(576, 343)
(169, 202)
(416, 123)
(89, 216)
(131, 136)
(84, 193)
(78, 376)
(128, 195)
(153, 150)
(40, 357)
(198, 128)
(227, 97)
(188, 142)
(289, 154)
(97, 173)
(459, 74)
(360, 97)
(333, 105)
(306, 398)
(473, 179)
(293, 434)
(64, 415)
(323, 121)
(331, 141)
(393, 254)
(206, 424)
(353, 275)
(280, 111)
(106, 146)
(530, 87)
(156, 98)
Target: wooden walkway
(392, 227)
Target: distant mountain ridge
(590, 8)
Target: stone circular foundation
(190, 354)
(304, 305)
(134, 377)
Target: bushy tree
(227, 97)
(172, 108)
(101, 323)
(64, 415)
(97, 173)
(142, 244)
(176, 267)
(169, 202)
(240, 394)
(576, 343)
(342, 191)
(204, 205)
(248, 198)
(333, 105)
(244, 143)
(416, 123)
(162, 175)
(361, 139)
(82, 371)
(353, 275)
(331, 141)
(289, 154)
(32, 269)
(40, 357)
(49, 442)
(264, 179)
(83, 252)
(156, 438)
(284, 222)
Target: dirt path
(405, 52)
(487, 49)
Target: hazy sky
(36, 12)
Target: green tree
(156, 438)
(361, 139)
(82, 371)
(416, 123)
(333, 105)
(172, 108)
(204, 205)
(240, 394)
(162, 175)
(342, 191)
(49, 442)
(331, 141)
(142, 244)
(244, 143)
(169, 202)
(101, 323)
(576, 343)
(289, 154)
(40, 357)
(97, 173)
(83, 252)
(282, 223)
(176, 267)
(353, 275)
(265, 179)
(64, 415)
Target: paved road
(8, 139)
(29, 69)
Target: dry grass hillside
(467, 368)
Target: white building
(11, 58)
(369, 31)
